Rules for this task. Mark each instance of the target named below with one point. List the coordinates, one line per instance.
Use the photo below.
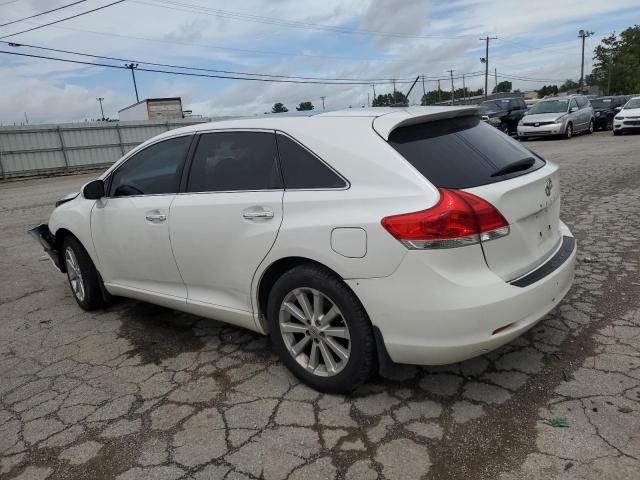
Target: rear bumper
(542, 130)
(45, 238)
(444, 308)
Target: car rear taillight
(458, 219)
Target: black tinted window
(155, 170)
(462, 152)
(229, 161)
(301, 169)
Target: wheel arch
(271, 275)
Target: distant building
(153, 109)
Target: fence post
(2, 170)
(63, 148)
(120, 138)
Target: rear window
(463, 152)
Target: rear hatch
(467, 154)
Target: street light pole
(132, 66)
(100, 99)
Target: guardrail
(30, 150)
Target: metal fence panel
(39, 149)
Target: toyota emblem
(548, 187)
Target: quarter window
(303, 170)
(232, 161)
(155, 170)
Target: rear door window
(462, 152)
(304, 171)
(234, 161)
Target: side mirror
(93, 190)
(573, 109)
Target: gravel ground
(139, 391)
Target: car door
(226, 221)
(575, 116)
(130, 227)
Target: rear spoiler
(387, 123)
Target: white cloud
(51, 91)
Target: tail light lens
(458, 219)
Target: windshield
(494, 105)
(550, 106)
(633, 103)
(601, 103)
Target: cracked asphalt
(139, 391)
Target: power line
(118, 59)
(189, 74)
(63, 19)
(216, 47)
(186, 7)
(42, 13)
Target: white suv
(354, 238)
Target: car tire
(609, 124)
(303, 342)
(591, 127)
(523, 139)
(568, 132)
(617, 132)
(505, 129)
(84, 280)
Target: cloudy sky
(362, 39)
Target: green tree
(304, 106)
(433, 96)
(616, 66)
(547, 90)
(569, 85)
(389, 99)
(505, 86)
(279, 108)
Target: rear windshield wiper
(518, 166)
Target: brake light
(458, 219)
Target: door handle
(156, 217)
(251, 214)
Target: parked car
(604, 109)
(628, 119)
(354, 238)
(504, 113)
(557, 116)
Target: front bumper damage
(45, 238)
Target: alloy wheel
(74, 274)
(314, 332)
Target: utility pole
(323, 101)
(583, 34)
(424, 91)
(374, 93)
(453, 94)
(495, 74)
(464, 90)
(132, 66)
(438, 91)
(485, 60)
(368, 99)
(100, 99)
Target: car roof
(383, 119)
